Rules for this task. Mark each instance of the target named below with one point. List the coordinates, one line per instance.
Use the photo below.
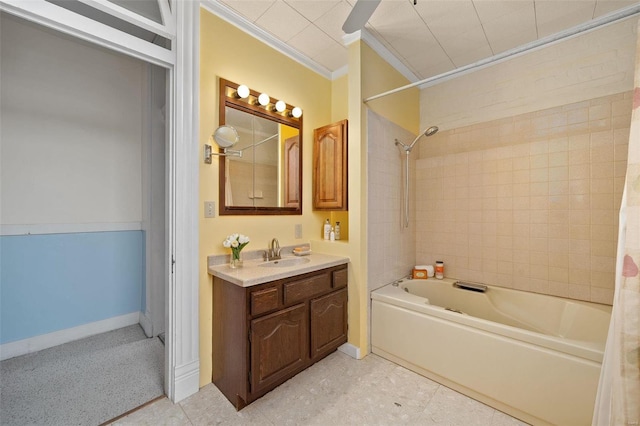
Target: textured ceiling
(429, 38)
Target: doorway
(83, 188)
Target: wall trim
(68, 228)
(381, 50)
(44, 341)
(351, 350)
(187, 378)
(145, 323)
(182, 315)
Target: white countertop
(252, 274)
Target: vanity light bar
(262, 100)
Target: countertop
(252, 274)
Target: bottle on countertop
(337, 230)
(327, 229)
(332, 235)
(439, 269)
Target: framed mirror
(264, 175)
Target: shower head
(431, 131)
(428, 132)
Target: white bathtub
(533, 356)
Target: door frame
(182, 366)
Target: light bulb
(243, 91)
(296, 112)
(263, 99)
(280, 106)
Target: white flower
(236, 242)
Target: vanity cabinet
(265, 334)
(330, 190)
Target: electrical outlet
(209, 209)
(298, 230)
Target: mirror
(226, 136)
(262, 174)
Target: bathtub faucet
(273, 252)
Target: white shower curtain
(618, 398)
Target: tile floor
(338, 390)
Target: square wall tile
(528, 202)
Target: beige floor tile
(336, 391)
(452, 408)
(210, 407)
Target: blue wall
(58, 281)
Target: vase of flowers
(236, 242)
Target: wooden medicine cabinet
(330, 190)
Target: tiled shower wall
(390, 246)
(528, 202)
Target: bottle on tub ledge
(439, 269)
(326, 230)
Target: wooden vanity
(266, 333)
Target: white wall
(593, 65)
(71, 130)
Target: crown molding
(381, 50)
(340, 72)
(250, 28)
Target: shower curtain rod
(587, 26)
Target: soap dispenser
(327, 229)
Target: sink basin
(283, 263)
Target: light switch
(209, 209)
(298, 230)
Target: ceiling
(430, 38)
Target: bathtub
(533, 356)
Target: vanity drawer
(264, 300)
(340, 278)
(296, 291)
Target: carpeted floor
(85, 382)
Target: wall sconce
(225, 137)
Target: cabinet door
(279, 346)
(328, 323)
(330, 167)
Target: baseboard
(351, 350)
(187, 381)
(44, 341)
(145, 323)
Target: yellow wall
(230, 53)
(369, 74)
(402, 108)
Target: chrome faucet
(273, 252)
